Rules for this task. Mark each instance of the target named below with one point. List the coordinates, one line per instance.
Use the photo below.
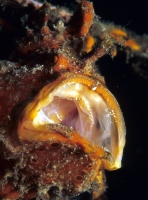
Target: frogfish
(60, 127)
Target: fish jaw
(80, 108)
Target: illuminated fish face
(73, 129)
(77, 109)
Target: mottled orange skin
(41, 56)
(122, 37)
(86, 15)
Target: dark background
(131, 91)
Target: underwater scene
(73, 100)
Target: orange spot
(62, 63)
(132, 44)
(118, 34)
(114, 52)
(89, 43)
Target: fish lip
(58, 87)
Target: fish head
(77, 119)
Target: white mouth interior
(75, 105)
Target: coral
(60, 126)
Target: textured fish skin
(47, 43)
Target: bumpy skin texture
(47, 42)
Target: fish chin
(80, 103)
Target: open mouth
(82, 110)
(80, 103)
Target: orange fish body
(60, 126)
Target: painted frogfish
(60, 127)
